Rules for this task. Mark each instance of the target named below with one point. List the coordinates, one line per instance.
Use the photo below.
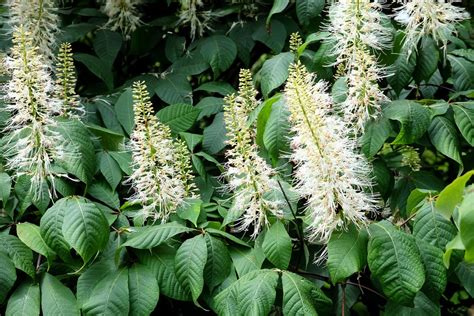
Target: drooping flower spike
(329, 173)
(198, 20)
(123, 16)
(429, 18)
(32, 142)
(355, 29)
(249, 176)
(40, 20)
(161, 177)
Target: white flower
(355, 28)
(330, 174)
(198, 20)
(40, 20)
(429, 17)
(33, 143)
(123, 15)
(249, 176)
(161, 175)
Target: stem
(343, 307)
(299, 231)
(38, 263)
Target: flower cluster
(123, 15)
(249, 176)
(66, 82)
(330, 174)
(32, 142)
(356, 27)
(198, 20)
(39, 19)
(429, 17)
(161, 177)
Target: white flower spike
(40, 20)
(123, 16)
(249, 176)
(436, 18)
(330, 174)
(161, 177)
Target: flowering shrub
(236, 157)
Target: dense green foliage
(85, 251)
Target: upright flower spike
(66, 82)
(32, 143)
(39, 18)
(429, 17)
(161, 177)
(355, 28)
(249, 176)
(123, 15)
(329, 173)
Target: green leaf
(274, 72)
(124, 111)
(227, 236)
(277, 245)
(101, 191)
(452, 195)
(56, 298)
(246, 260)
(110, 296)
(161, 262)
(124, 159)
(427, 59)
(308, 11)
(300, 296)
(24, 301)
(174, 88)
(209, 106)
(465, 273)
(192, 140)
(7, 276)
(435, 276)
(258, 293)
(443, 135)
(414, 118)
(219, 87)
(218, 263)
(395, 262)
(110, 140)
(5, 187)
(82, 163)
(110, 169)
(30, 235)
(262, 118)
(376, 133)
(403, 68)
(215, 135)
(461, 71)
(107, 45)
(190, 64)
(277, 129)
(85, 227)
(347, 253)
(19, 253)
(51, 226)
(98, 67)
(278, 6)
(179, 117)
(431, 226)
(220, 52)
(274, 37)
(190, 210)
(143, 290)
(152, 236)
(423, 307)
(466, 223)
(190, 260)
(464, 118)
(88, 280)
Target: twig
(343, 308)
(38, 263)
(408, 219)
